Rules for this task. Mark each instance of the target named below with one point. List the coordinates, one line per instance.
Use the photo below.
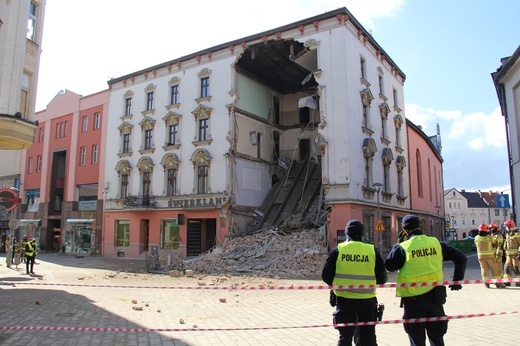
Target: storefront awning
(80, 220)
(30, 220)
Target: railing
(140, 201)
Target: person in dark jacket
(355, 263)
(418, 258)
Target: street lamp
(378, 187)
(438, 208)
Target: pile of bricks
(295, 254)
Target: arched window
(145, 166)
(170, 163)
(419, 173)
(124, 169)
(201, 162)
(387, 158)
(369, 149)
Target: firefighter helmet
(510, 224)
(493, 225)
(483, 228)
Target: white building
(506, 79)
(196, 143)
(466, 211)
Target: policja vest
(29, 251)
(355, 266)
(423, 264)
(484, 245)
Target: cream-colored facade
(21, 28)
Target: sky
(447, 50)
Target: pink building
(426, 179)
(62, 185)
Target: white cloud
(476, 131)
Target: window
(128, 106)
(149, 101)
(124, 185)
(362, 64)
(30, 166)
(62, 129)
(24, 95)
(400, 164)
(171, 182)
(95, 153)
(148, 137)
(369, 149)
(419, 173)
(203, 129)
(172, 134)
(202, 179)
(170, 235)
(381, 87)
(396, 103)
(126, 143)
(39, 164)
(204, 87)
(42, 133)
(258, 145)
(97, 120)
(122, 233)
(83, 156)
(147, 178)
(366, 113)
(85, 123)
(174, 94)
(31, 23)
(201, 161)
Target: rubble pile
(296, 254)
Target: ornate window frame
(147, 124)
(150, 88)
(174, 81)
(171, 161)
(200, 158)
(171, 119)
(125, 129)
(201, 113)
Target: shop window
(170, 235)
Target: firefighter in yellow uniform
(23, 245)
(512, 244)
(498, 246)
(486, 255)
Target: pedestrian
(8, 251)
(30, 254)
(355, 263)
(512, 243)
(498, 246)
(418, 258)
(486, 255)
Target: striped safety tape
(283, 288)
(146, 330)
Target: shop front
(31, 228)
(79, 237)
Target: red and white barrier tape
(284, 288)
(146, 330)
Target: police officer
(418, 258)
(30, 254)
(355, 263)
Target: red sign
(8, 198)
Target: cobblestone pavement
(81, 293)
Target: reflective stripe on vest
(355, 266)
(484, 247)
(423, 264)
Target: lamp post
(378, 190)
(438, 208)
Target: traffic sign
(8, 199)
(379, 226)
(503, 201)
